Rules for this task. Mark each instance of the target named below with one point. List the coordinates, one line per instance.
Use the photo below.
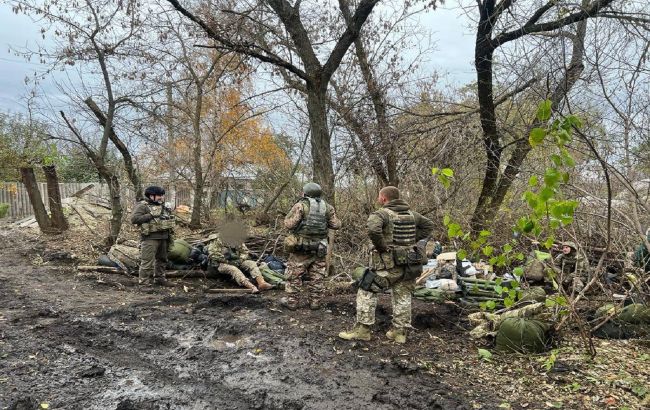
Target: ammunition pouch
(294, 243)
(157, 225)
(411, 258)
(368, 283)
(382, 260)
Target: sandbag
(635, 313)
(534, 294)
(127, 257)
(522, 335)
(431, 295)
(180, 251)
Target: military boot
(262, 284)
(358, 332)
(397, 335)
(249, 285)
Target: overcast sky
(452, 58)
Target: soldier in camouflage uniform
(308, 221)
(156, 232)
(642, 255)
(395, 264)
(571, 267)
(234, 261)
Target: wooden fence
(15, 194)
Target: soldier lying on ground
(234, 260)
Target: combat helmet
(570, 244)
(312, 190)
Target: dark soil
(69, 341)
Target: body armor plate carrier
(314, 224)
(157, 224)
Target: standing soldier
(572, 267)
(233, 260)
(396, 262)
(156, 233)
(308, 221)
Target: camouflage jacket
(301, 208)
(642, 256)
(379, 226)
(218, 252)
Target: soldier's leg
(253, 270)
(401, 300)
(161, 259)
(314, 277)
(237, 275)
(148, 249)
(296, 266)
(366, 307)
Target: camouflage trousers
(236, 271)
(401, 299)
(307, 268)
(153, 258)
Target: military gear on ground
(312, 190)
(125, 256)
(533, 294)
(631, 321)
(522, 335)
(358, 332)
(273, 277)
(154, 190)
(432, 295)
(180, 251)
(397, 335)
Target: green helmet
(570, 244)
(312, 190)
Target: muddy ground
(71, 341)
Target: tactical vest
(314, 224)
(157, 224)
(401, 230)
(568, 264)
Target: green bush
(4, 210)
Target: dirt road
(70, 342)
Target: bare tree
(297, 43)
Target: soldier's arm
(333, 221)
(375, 229)
(293, 218)
(424, 226)
(141, 215)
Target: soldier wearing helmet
(308, 222)
(571, 267)
(156, 224)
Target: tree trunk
(40, 213)
(195, 220)
(321, 153)
(54, 197)
(116, 208)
